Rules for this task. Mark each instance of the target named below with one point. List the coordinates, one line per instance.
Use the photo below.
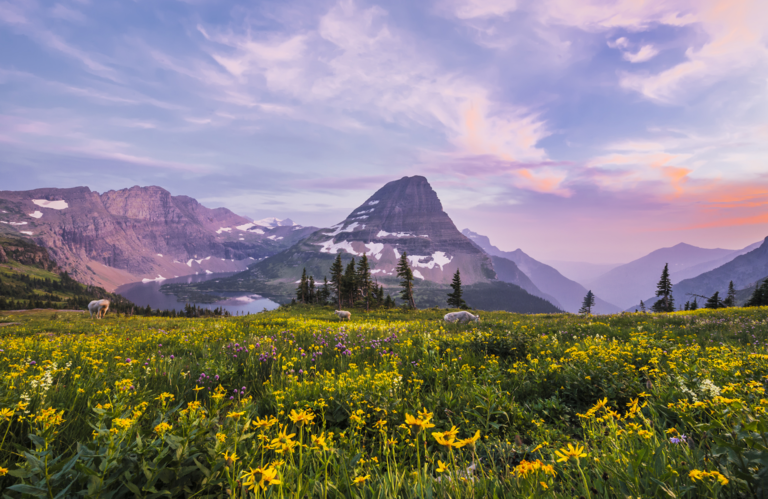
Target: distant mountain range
(629, 283)
(566, 294)
(404, 216)
(139, 233)
(744, 270)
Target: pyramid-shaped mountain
(404, 216)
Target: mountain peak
(405, 215)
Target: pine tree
(311, 295)
(405, 273)
(324, 294)
(337, 279)
(695, 304)
(642, 306)
(301, 289)
(350, 283)
(455, 299)
(364, 280)
(730, 300)
(664, 290)
(687, 305)
(388, 302)
(589, 302)
(714, 301)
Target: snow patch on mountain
(438, 258)
(374, 250)
(275, 238)
(418, 275)
(332, 247)
(27, 232)
(36, 214)
(18, 223)
(272, 222)
(224, 229)
(54, 205)
(371, 203)
(340, 228)
(383, 233)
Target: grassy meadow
(295, 403)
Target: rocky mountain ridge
(138, 233)
(568, 294)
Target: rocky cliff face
(138, 233)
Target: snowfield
(54, 205)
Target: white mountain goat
(461, 317)
(98, 307)
(343, 314)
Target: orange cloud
(542, 182)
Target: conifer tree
(349, 282)
(364, 280)
(388, 302)
(695, 304)
(311, 295)
(405, 273)
(687, 305)
(730, 300)
(455, 299)
(666, 303)
(301, 290)
(324, 293)
(714, 301)
(642, 306)
(337, 278)
(759, 296)
(589, 302)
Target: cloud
(646, 53)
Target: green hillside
(30, 279)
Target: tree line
(354, 286)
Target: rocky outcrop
(25, 252)
(142, 232)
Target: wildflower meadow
(295, 403)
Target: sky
(591, 130)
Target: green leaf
(29, 489)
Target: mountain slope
(744, 271)
(629, 283)
(30, 279)
(405, 215)
(138, 233)
(568, 293)
(508, 271)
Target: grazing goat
(343, 314)
(98, 307)
(461, 317)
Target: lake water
(148, 293)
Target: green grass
(565, 406)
